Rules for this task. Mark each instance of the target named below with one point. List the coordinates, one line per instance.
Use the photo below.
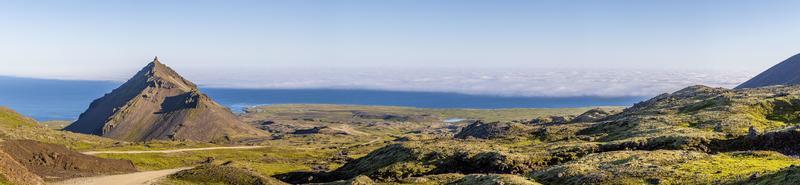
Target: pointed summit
(157, 103)
(155, 63)
(155, 71)
(784, 73)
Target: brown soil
(13, 172)
(55, 162)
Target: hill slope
(784, 73)
(14, 126)
(157, 103)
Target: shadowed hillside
(784, 73)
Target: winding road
(138, 178)
(146, 177)
(171, 151)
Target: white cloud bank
(503, 82)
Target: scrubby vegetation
(15, 126)
(788, 175)
(671, 139)
(265, 161)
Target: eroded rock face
(157, 103)
(55, 162)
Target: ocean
(45, 99)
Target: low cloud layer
(502, 82)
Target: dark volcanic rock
(320, 130)
(784, 73)
(157, 103)
(390, 117)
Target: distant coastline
(45, 99)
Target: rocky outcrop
(157, 103)
(321, 130)
(593, 115)
(491, 130)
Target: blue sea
(45, 99)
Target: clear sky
(112, 39)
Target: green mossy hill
(221, 174)
(14, 126)
(787, 176)
(418, 158)
(400, 161)
(703, 113)
(10, 118)
(666, 167)
(732, 167)
(622, 167)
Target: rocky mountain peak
(157, 103)
(158, 75)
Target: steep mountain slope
(157, 103)
(785, 73)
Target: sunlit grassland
(737, 166)
(266, 161)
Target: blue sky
(113, 39)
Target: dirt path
(139, 178)
(171, 151)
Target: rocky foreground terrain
(698, 135)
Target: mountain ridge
(784, 73)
